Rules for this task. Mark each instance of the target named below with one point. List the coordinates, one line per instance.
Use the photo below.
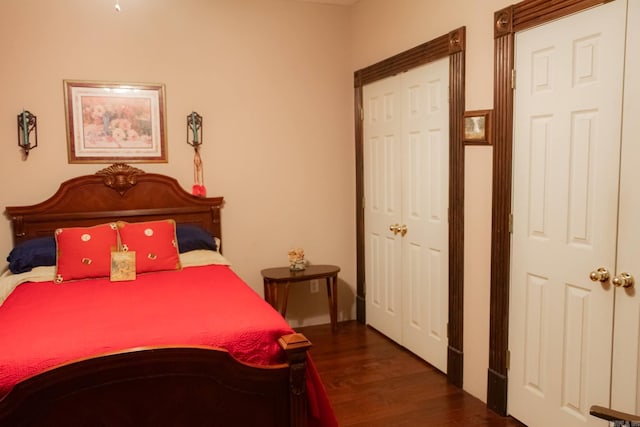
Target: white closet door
(383, 205)
(406, 152)
(625, 394)
(568, 106)
(425, 255)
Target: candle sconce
(194, 130)
(27, 125)
(194, 139)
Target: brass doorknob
(624, 280)
(600, 275)
(403, 230)
(395, 228)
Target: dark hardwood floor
(371, 381)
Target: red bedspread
(46, 324)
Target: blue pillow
(36, 252)
(191, 237)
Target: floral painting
(109, 122)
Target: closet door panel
(383, 206)
(625, 390)
(425, 128)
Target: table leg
(332, 294)
(271, 293)
(267, 290)
(285, 300)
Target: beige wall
(272, 80)
(382, 28)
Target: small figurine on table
(296, 259)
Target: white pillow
(202, 257)
(10, 281)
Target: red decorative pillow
(84, 252)
(154, 243)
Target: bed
(188, 346)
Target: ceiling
(337, 2)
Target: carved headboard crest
(120, 177)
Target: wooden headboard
(118, 192)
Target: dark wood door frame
(450, 45)
(507, 22)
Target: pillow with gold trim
(84, 252)
(154, 243)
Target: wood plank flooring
(373, 382)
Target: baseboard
(360, 309)
(497, 392)
(455, 366)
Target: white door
(425, 202)
(383, 205)
(567, 115)
(625, 394)
(406, 151)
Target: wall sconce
(27, 124)
(194, 139)
(194, 130)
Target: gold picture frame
(109, 122)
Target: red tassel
(199, 190)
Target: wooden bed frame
(175, 386)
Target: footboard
(175, 386)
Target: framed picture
(109, 122)
(477, 127)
